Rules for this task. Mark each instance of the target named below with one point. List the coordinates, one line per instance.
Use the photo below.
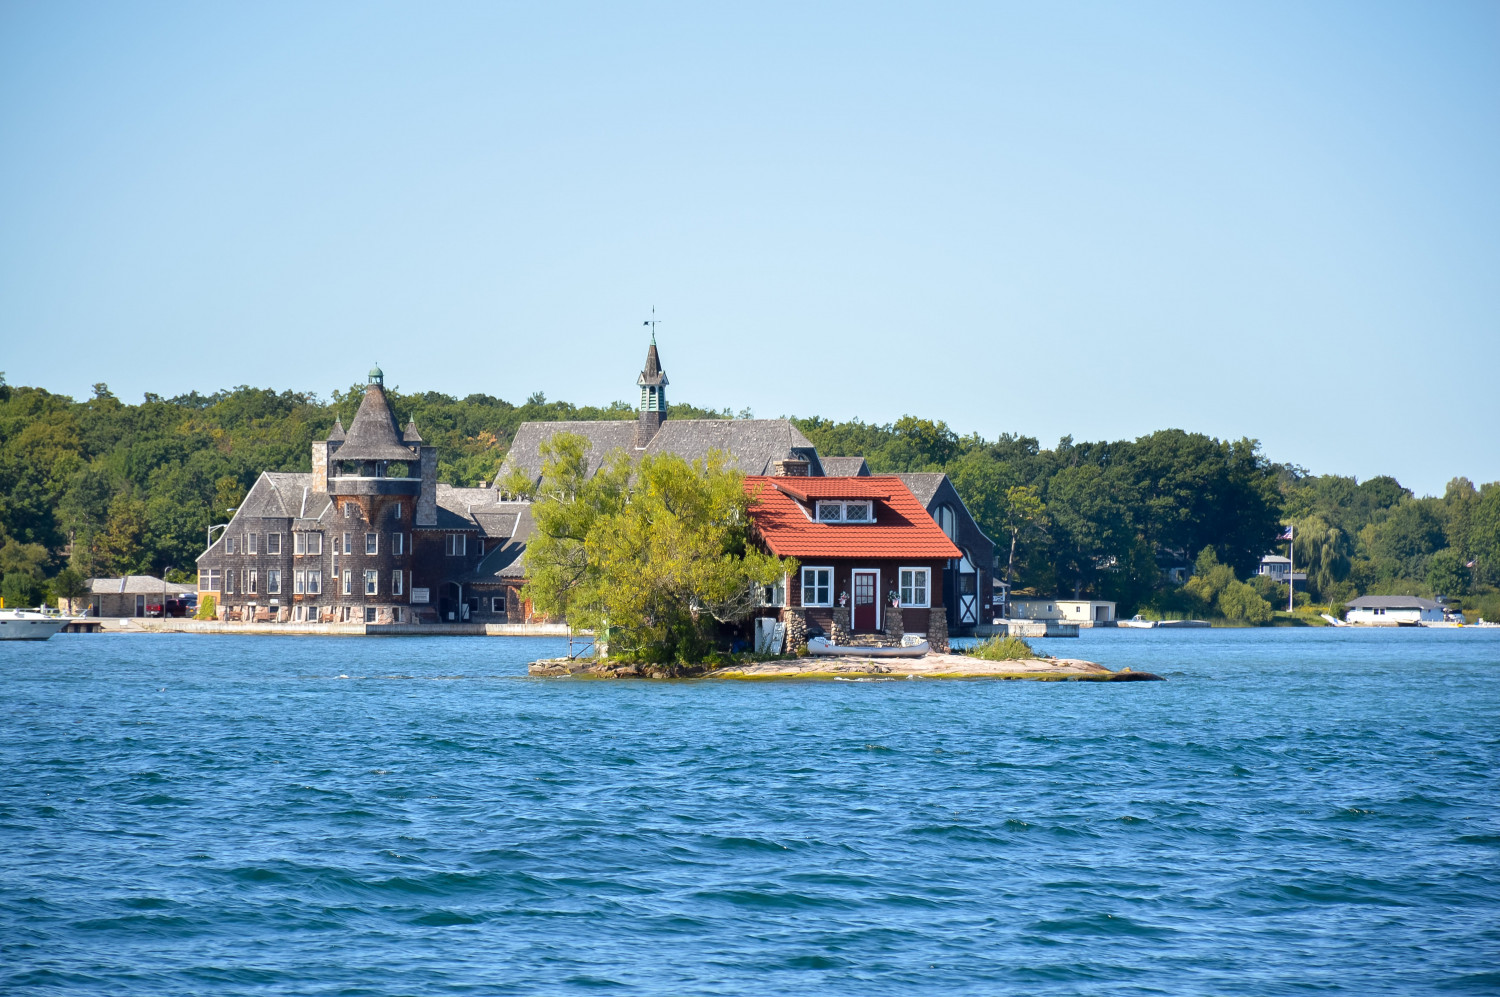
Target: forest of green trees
(101, 487)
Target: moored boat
(29, 624)
(1184, 624)
(1138, 622)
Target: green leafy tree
(20, 591)
(70, 584)
(650, 559)
(1447, 573)
(1024, 517)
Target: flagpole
(1291, 566)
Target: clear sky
(1270, 220)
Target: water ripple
(1294, 812)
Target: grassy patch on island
(1002, 649)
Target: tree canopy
(115, 488)
(649, 554)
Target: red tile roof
(902, 527)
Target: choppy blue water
(1294, 811)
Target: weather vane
(652, 322)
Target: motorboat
(1138, 622)
(1184, 624)
(30, 624)
(822, 646)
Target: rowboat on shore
(821, 646)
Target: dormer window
(862, 511)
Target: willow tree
(655, 551)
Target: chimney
(790, 467)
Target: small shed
(137, 595)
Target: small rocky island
(932, 665)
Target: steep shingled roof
(374, 435)
(504, 562)
(753, 444)
(652, 375)
(902, 528)
(846, 467)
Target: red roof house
(871, 557)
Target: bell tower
(653, 385)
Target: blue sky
(1270, 220)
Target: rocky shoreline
(929, 666)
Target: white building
(1393, 611)
(1278, 568)
(1083, 611)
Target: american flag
(1286, 534)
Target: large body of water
(1292, 812)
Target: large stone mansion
(370, 535)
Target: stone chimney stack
(320, 465)
(790, 466)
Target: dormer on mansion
(368, 536)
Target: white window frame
(273, 581)
(497, 604)
(299, 583)
(904, 586)
(372, 582)
(252, 581)
(299, 543)
(252, 543)
(398, 544)
(315, 544)
(315, 583)
(774, 595)
(457, 544)
(815, 585)
(229, 581)
(347, 578)
(398, 510)
(398, 582)
(230, 547)
(348, 543)
(372, 543)
(273, 543)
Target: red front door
(864, 601)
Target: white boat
(1333, 621)
(1138, 622)
(820, 645)
(1184, 624)
(28, 624)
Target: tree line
(106, 488)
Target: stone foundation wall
(796, 629)
(841, 634)
(937, 630)
(895, 627)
